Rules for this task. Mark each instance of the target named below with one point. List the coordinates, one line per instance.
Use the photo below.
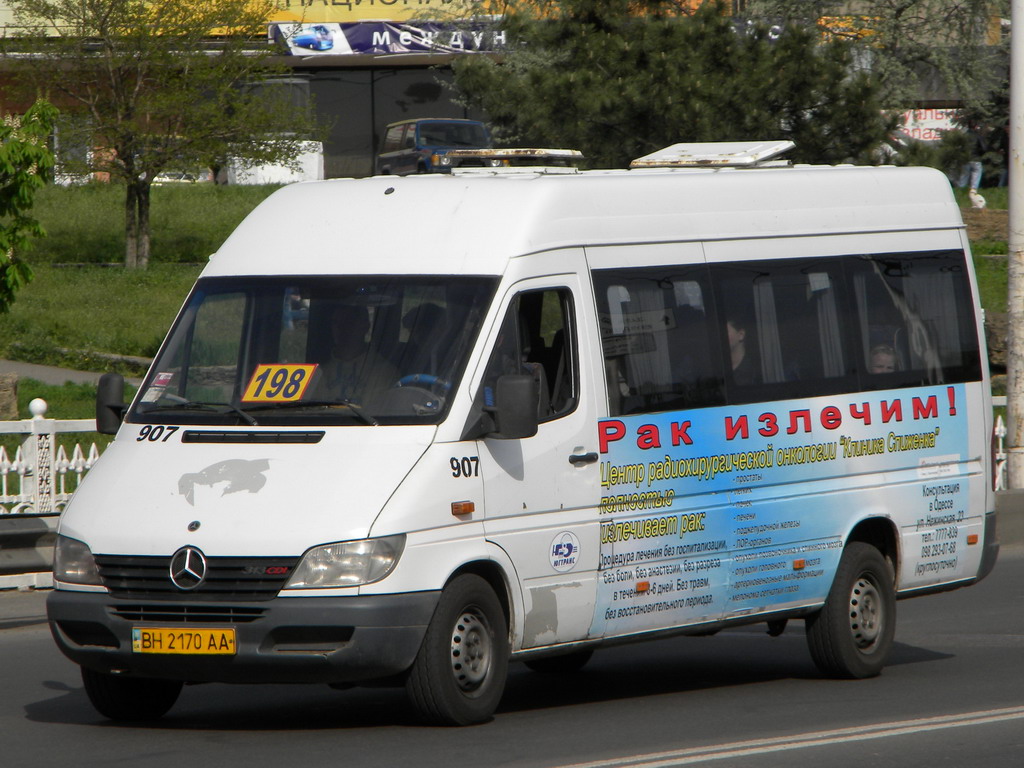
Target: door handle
(582, 458)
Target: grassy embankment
(77, 316)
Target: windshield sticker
(278, 383)
(160, 382)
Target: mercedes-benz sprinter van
(582, 408)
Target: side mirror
(110, 405)
(515, 407)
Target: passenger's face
(883, 362)
(736, 335)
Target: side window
(915, 319)
(393, 138)
(538, 338)
(657, 339)
(781, 326)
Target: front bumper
(284, 640)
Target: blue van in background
(422, 145)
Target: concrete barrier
(1010, 526)
(26, 550)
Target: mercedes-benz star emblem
(188, 568)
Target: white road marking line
(802, 741)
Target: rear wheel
(852, 634)
(459, 674)
(130, 698)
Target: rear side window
(685, 337)
(916, 322)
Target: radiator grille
(227, 578)
(177, 613)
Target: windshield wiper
(296, 404)
(188, 405)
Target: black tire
(130, 698)
(852, 634)
(459, 674)
(566, 664)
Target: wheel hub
(866, 613)
(471, 650)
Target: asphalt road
(953, 695)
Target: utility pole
(1015, 293)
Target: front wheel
(852, 634)
(459, 674)
(130, 699)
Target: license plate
(184, 641)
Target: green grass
(993, 279)
(92, 311)
(995, 197)
(188, 222)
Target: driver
(355, 371)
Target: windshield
(316, 350)
(442, 134)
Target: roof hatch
(714, 154)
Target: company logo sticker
(565, 551)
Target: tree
(619, 79)
(25, 164)
(910, 46)
(150, 86)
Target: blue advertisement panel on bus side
(722, 512)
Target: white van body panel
(479, 222)
(252, 500)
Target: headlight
(442, 160)
(73, 562)
(347, 563)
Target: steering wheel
(426, 380)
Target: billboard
(380, 37)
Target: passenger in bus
(355, 371)
(882, 359)
(741, 353)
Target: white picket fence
(35, 485)
(38, 480)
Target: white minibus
(408, 430)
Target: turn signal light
(463, 508)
